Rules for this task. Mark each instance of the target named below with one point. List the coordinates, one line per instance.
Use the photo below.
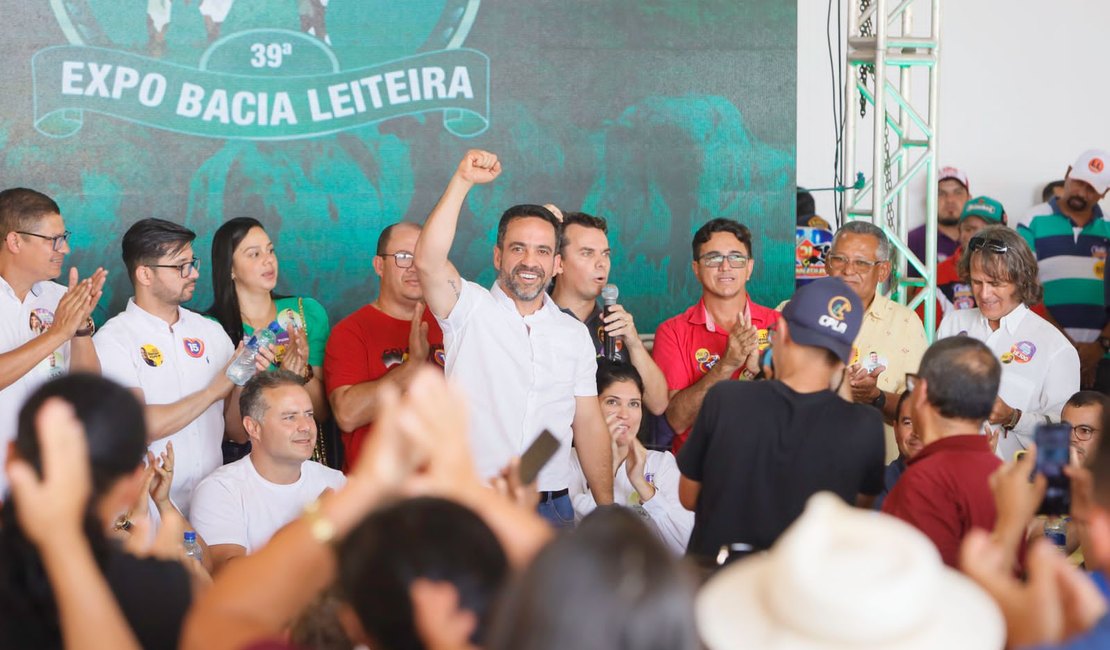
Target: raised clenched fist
(478, 167)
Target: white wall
(1023, 91)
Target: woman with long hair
(244, 274)
(644, 480)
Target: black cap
(825, 313)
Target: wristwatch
(1009, 426)
(880, 401)
(88, 330)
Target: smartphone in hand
(538, 453)
(1053, 453)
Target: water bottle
(1056, 530)
(192, 549)
(242, 368)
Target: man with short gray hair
(891, 340)
(238, 507)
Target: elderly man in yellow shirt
(891, 340)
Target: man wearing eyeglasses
(382, 343)
(891, 340)
(1084, 412)
(172, 358)
(1040, 368)
(44, 327)
(1071, 240)
(720, 337)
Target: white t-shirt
(139, 350)
(20, 322)
(1040, 368)
(522, 375)
(235, 505)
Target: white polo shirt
(21, 321)
(1040, 368)
(522, 375)
(139, 350)
(235, 505)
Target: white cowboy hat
(841, 577)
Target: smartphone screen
(1053, 452)
(539, 452)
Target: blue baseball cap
(825, 313)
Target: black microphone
(609, 298)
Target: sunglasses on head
(982, 243)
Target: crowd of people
(810, 475)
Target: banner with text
(328, 120)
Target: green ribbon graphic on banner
(257, 99)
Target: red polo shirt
(688, 345)
(365, 346)
(945, 491)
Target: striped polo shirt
(1072, 262)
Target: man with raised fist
(525, 365)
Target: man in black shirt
(760, 449)
(583, 272)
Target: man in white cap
(844, 578)
(953, 191)
(1071, 240)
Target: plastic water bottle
(192, 549)
(242, 368)
(1056, 530)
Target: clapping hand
(295, 359)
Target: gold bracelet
(320, 527)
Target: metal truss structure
(887, 59)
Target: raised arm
(50, 512)
(439, 280)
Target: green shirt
(318, 328)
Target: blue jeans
(558, 512)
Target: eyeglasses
(714, 260)
(403, 259)
(1083, 432)
(57, 241)
(184, 269)
(911, 381)
(993, 245)
(837, 262)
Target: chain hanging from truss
(864, 70)
(888, 182)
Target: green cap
(986, 209)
